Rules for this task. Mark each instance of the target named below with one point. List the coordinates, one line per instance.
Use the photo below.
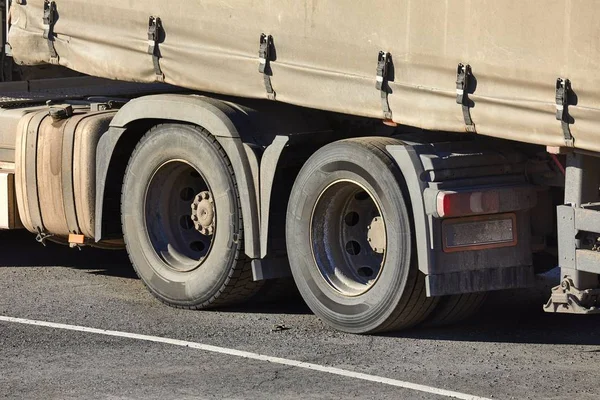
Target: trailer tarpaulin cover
(326, 54)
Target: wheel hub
(169, 215)
(376, 235)
(348, 236)
(203, 213)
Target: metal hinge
(384, 63)
(563, 91)
(464, 77)
(154, 36)
(265, 56)
(49, 20)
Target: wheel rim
(348, 237)
(171, 201)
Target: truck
(393, 161)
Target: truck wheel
(349, 238)
(182, 220)
(455, 308)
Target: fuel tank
(55, 174)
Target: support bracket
(567, 299)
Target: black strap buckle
(154, 35)
(265, 56)
(49, 20)
(384, 62)
(463, 84)
(49, 12)
(563, 91)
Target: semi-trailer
(398, 160)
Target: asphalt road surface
(511, 350)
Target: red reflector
(462, 204)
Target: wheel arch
(223, 120)
(411, 168)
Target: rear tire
(183, 265)
(455, 308)
(348, 203)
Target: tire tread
(416, 305)
(455, 308)
(239, 285)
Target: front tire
(349, 237)
(182, 220)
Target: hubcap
(348, 237)
(203, 213)
(172, 222)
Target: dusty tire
(182, 267)
(455, 308)
(342, 191)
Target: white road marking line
(251, 356)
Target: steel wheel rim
(348, 237)
(168, 201)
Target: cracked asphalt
(511, 350)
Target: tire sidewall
(365, 312)
(194, 146)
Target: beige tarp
(327, 55)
